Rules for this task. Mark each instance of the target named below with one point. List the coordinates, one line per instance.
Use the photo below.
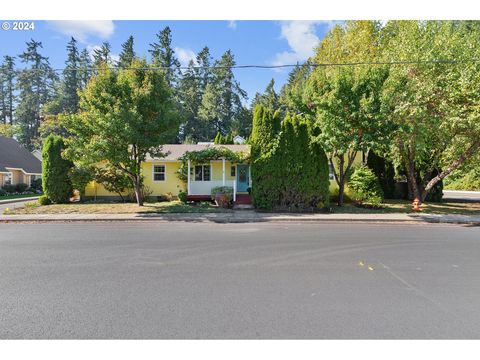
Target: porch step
(243, 199)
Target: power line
(306, 64)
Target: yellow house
(160, 175)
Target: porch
(202, 178)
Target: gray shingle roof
(13, 155)
(177, 150)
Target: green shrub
(21, 187)
(3, 192)
(225, 190)
(385, 173)
(55, 171)
(37, 184)
(44, 200)
(9, 188)
(182, 196)
(366, 186)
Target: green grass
(11, 197)
(115, 208)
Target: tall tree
(102, 56)
(7, 87)
(126, 115)
(190, 95)
(291, 96)
(269, 98)
(127, 54)
(35, 85)
(71, 79)
(85, 65)
(163, 55)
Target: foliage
(384, 171)
(366, 186)
(289, 172)
(56, 183)
(223, 196)
(464, 181)
(205, 155)
(269, 98)
(8, 130)
(164, 55)
(127, 55)
(44, 200)
(21, 187)
(80, 177)
(220, 139)
(113, 180)
(37, 185)
(126, 115)
(9, 188)
(183, 197)
(7, 90)
(3, 192)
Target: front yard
(114, 208)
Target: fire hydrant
(416, 205)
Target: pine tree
(35, 85)
(101, 56)
(163, 55)
(71, 80)
(127, 55)
(7, 84)
(269, 98)
(203, 71)
(85, 65)
(190, 97)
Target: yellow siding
(172, 183)
(96, 189)
(217, 170)
(356, 162)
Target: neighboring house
(239, 140)
(17, 164)
(161, 174)
(37, 154)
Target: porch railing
(205, 187)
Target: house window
(202, 172)
(159, 173)
(8, 179)
(232, 171)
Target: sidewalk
(11, 201)
(249, 216)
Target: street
(239, 281)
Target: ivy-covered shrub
(44, 200)
(366, 186)
(289, 170)
(56, 182)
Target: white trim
(164, 172)
(223, 171)
(203, 174)
(188, 177)
(20, 169)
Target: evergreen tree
(56, 182)
(190, 97)
(163, 55)
(85, 65)
(71, 80)
(101, 56)
(384, 171)
(291, 94)
(269, 98)
(127, 55)
(203, 72)
(35, 85)
(7, 86)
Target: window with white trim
(158, 172)
(202, 173)
(233, 171)
(7, 180)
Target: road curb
(12, 201)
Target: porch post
(188, 177)
(223, 171)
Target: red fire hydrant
(416, 205)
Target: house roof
(13, 155)
(175, 151)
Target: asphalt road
(237, 281)
(461, 196)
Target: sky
(252, 42)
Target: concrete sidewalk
(248, 216)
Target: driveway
(235, 281)
(461, 196)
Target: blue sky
(252, 42)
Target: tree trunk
(454, 165)
(341, 180)
(138, 191)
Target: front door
(242, 178)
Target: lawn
(114, 208)
(403, 206)
(11, 197)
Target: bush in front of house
(20, 187)
(366, 186)
(385, 172)
(44, 200)
(289, 170)
(9, 188)
(56, 181)
(223, 196)
(3, 192)
(182, 196)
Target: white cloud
(232, 24)
(301, 38)
(184, 55)
(82, 29)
